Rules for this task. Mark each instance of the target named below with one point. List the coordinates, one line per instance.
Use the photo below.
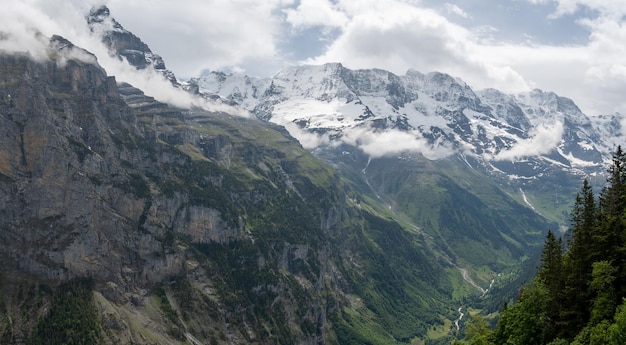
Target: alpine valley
(321, 206)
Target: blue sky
(576, 48)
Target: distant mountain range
(441, 114)
(537, 143)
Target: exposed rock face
(125, 44)
(99, 180)
(66, 207)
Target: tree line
(579, 294)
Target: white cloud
(193, 35)
(544, 139)
(315, 13)
(392, 142)
(155, 85)
(374, 143)
(416, 37)
(307, 139)
(456, 10)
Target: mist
(543, 139)
(26, 28)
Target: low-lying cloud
(389, 142)
(543, 139)
(26, 27)
(375, 143)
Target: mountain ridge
(433, 95)
(526, 141)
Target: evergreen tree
(610, 237)
(617, 330)
(601, 284)
(612, 202)
(551, 277)
(577, 263)
(478, 332)
(524, 322)
(613, 198)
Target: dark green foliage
(176, 327)
(578, 297)
(394, 279)
(346, 333)
(477, 331)
(602, 279)
(164, 304)
(578, 262)
(72, 317)
(551, 278)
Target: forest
(579, 294)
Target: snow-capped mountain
(124, 44)
(433, 114)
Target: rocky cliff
(194, 226)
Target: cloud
(156, 85)
(307, 139)
(27, 27)
(195, 35)
(417, 38)
(421, 39)
(375, 143)
(392, 142)
(315, 13)
(456, 10)
(544, 139)
(19, 29)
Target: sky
(576, 48)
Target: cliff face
(66, 210)
(93, 186)
(104, 182)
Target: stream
(469, 279)
(456, 322)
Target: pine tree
(577, 263)
(610, 237)
(612, 202)
(604, 303)
(613, 197)
(551, 277)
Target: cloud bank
(26, 27)
(374, 143)
(543, 139)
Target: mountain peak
(124, 44)
(100, 17)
